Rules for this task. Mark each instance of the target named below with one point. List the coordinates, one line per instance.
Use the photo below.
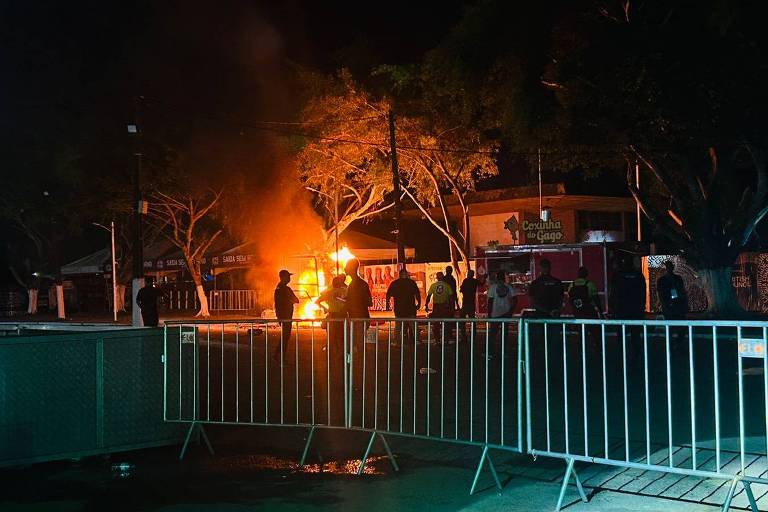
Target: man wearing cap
(285, 299)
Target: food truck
(521, 264)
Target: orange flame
(312, 283)
(343, 256)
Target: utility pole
(138, 249)
(396, 193)
(336, 224)
(111, 230)
(114, 272)
(639, 217)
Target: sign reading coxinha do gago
(543, 232)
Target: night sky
(206, 72)
(71, 72)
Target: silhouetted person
(501, 303)
(147, 299)
(448, 278)
(285, 300)
(546, 292)
(627, 298)
(407, 299)
(627, 302)
(674, 299)
(584, 297)
(468, 303)
(358, 299)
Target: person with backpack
(584, 298)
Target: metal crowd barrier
(233, 300)
(683, 397)
(182, 300)
(687, 398)
(413, 378)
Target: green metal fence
(85, 393)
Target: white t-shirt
(501, 301)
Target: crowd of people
(547, 296)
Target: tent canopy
(91, 264)
(364, 247)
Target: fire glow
(312, 282)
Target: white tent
(92, 264)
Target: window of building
(599, 221)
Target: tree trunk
(32, 306)
(203, 301)
(721, 297)
(121, 297)
(60, 311)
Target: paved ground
(256, 469)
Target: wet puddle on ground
(269, 463)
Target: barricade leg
(566, 480)
(483, 458)
(750, 496)
(306, 447)
(195, 427)
(391, 457)
(732, 492)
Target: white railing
(670, 396)
(678, 397)
(233, 300)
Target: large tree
(189, 221)
(606, 85)
(344, 161)
(442, 162)
(347, 160)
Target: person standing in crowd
(358, 299)
(627, 298)
(672, 294)
(407, 299)
(448, 278)
(468, 308)
(501, 303)
(285, 300)
(334, 300)
(584, 298)
(546, 292)
(146, 299)
(442, 297)
(627, 302)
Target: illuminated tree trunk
(194, 270)
(120, 303)
(32, 307)
(203, 302)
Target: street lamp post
(138, 253)
(111, 230)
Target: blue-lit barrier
(69, 395)
(687, 398)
